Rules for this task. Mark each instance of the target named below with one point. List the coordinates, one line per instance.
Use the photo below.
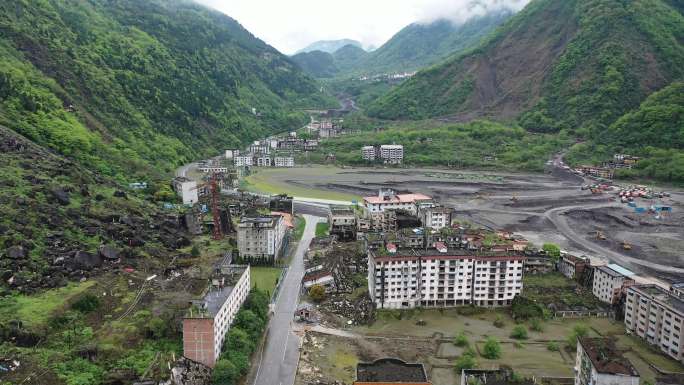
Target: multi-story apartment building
(439, 277)
(392, 153)
(186, 189)
(208, 320)
(243, 160)
(677, 289)
(283, 161)
(599, 362)
(369, 153)
(657, 316)
(261, 237)
(342, 222)
(610, 281)
(262, 161)
(572, 266)
(389, 200)
(258, 148)
(437, 217)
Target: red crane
(215, 213)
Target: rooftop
(615, 271)
(216, 296)
(398, 198)
(265, 220)
(444, 251)
(606, 358)
(341, 210)
(390, 370)
(663, 296)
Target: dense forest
(123, 85)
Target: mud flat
(548, 207)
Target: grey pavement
(280, 356)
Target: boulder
(61, 196)
(16, 252)
(86, 260)
(109, 252)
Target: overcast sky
(290, 25)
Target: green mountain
(329, 46)
(317, 63)
(136, 87)
(558, 64)
(348, 57)
(419, 45)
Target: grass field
(322, 229)
(265, 277)
(35, 310)
(264, 181)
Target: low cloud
(460, 11)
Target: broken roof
(606, 358)
(399, 198)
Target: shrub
(553, 346)
(461, 340)
(499, 322)
(317, 293)
(224, 373)
(466, 361)
(518, 345)
(577, 332)
(156, 328)
(492, 349)
(536, 325)
(552, 250)
(519, 332)
(87, 303)
(195, 251)
(524, 308)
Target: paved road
(278, 362)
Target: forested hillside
(128, 84)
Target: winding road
(280, 356)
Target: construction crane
(214, 192)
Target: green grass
(322, 229)
(300, 224)
(34, 311)
(266, 181)
(265, 278)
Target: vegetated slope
(329, 46)
(348, 57)
(565, 64)
(654, 131)
(419, 45)
(151, 82)
(316, 63)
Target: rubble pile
(360, 311)
(307, 372)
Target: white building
(657, 316)
(388, 200)
(392, 153)
(230, 154)
(284, 161)
(598, 362)
(677, 289)
(244, 160)
(368, 153)
(258, 148)
(213, 169)
(435, 217)
(208, 320)
(186, 189)
(261, 237)
(438, 277)
(609, 281)
(263, 161)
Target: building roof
(661, 295)
(216, 296)
(399, 198)
(614, 273)
(404, 253)
(605, 357)
(392, 146)
(260, 221)
(621, 270)
(390, 370)
(287, 217)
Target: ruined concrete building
(599, 362)
(261, 237)
(208, 320)
(442, 277)
(388, 199)
(342, 220)
(387, 154)
(186, 189)
(390, 371)
(657, 316)
(610, 281)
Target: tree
(250, 323)
(499, 322)
(536, 325)
(317, 293)
(492, 349)
(552, 250)
(578, 331)
(195, 251)
(553, 346)
(466, 361)
(519, 332)
(224, 373)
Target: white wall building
(657, 316)
(392, 153)
(368, 153)
(186, 189)
(435, 217)
(284, 161)
(598, 362)
(609, 282)
(263, 161)
(389, 200)
(230, 154)
(261, 237)
(408, 278)
(207, 322)
(244, 160)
